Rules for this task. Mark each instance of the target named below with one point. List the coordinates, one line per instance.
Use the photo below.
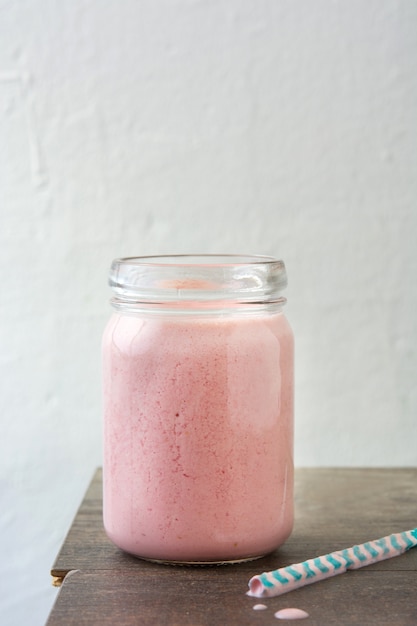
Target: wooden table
(335, 508)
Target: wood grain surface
(335, 508)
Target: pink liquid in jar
(198, 409)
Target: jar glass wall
(198, 408)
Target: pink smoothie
(198, 463)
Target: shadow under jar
(198, 408)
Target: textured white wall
(135, 127)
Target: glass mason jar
(198, 408)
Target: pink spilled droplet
(291, 614)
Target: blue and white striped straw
(288, 578)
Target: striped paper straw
(288, 578)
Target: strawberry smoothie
(198, 435)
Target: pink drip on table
(291, 614)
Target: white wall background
(135, 127)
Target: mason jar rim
(198, 278)
(197, 259)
